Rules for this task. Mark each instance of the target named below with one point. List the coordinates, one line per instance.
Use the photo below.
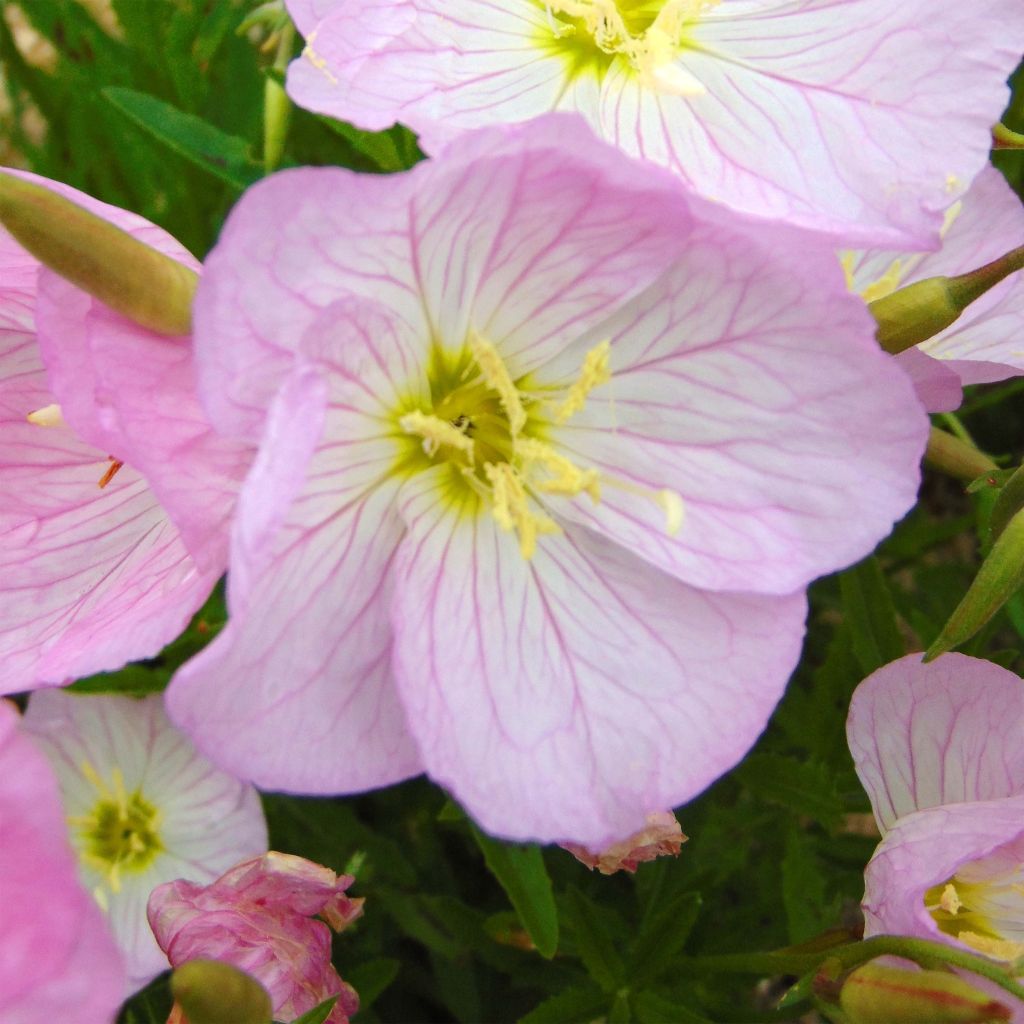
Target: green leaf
(805, 787)
(318, 1014)
(651, 1008)
(371, 979)
(225, 156)
(803, 887)
(573, 1006)
(523, 876)
(594, 941)
(392, 150)
(871, 615)
(662, 938)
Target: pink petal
(567, 697)
(936, 385)
(58, 953)
(939, 733)
(305, 658)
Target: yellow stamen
(886, 284)
(48, 416)
(111, 472)
(1001, 949)
(567, 479)
(436, 433)
(671, 503)
(498, 379)
(595, 371)
(950, 901)
(510, 508)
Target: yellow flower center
(956, 907)
(119, 834)
(490, 429)
(648, 35)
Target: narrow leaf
(523, 876)
(574, 1005)
(318, 1014)
(805, 787)
(594, 942)
(662, 939)
(868, 607)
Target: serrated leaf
(871, 616)
(652, 1008)
(225, 156)
(662, 938)
(318, 1014)
(521, 872)
(371, 979)
(573, 1006)
(805, 787)
(594, 942)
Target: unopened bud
(913, 314)
(1005, 138)
(949, 454)
(998, 579)
(127, 275)
(874, 994)
(211, 992)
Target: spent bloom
(142, 807)
(861, 117)
(95, 573)
(547, 459)
(59, 960)
(937, 747)
(987, 343)
(266, 917)
(660, 837)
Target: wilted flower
(59, 961)
(861, 117)
(984, 344)
(143, 807)
(546, 463)
(660, 837)
(262, 917)
(937, 747)
(94, 573)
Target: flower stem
(277, 107)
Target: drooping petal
(108, 748)
(945, 732)
(296, 692)
(936, 385)
(509, 237)
(566, 697)
(58, 952)
(818, 112)
(926, 849)
(747, 381)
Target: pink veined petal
(817, 112)
(939, 733)
(508, 237)
(747, 381)
(565, 698)
(58, 953)
(936, 385)
(927, 848)
(305, 659)
(306, 13)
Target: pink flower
(984, 344)
(142, 806)
(938, 750)
(95, 574)
(546, 462)
(59, 961)
(261, 918)
(661, 837)
(822, 113)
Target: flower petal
(567, 697)
(939, 733)
(936, 385)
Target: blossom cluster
(519, 464)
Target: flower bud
(127, 275)
(1005, 138)
(999, 577)
(211, 992)
(910, 315)
(874, 994)
(957, 458)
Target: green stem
(277, 107)
(851, 956)
(955, 424)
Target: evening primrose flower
(987, 342)
(937, 747)
(546, 462)
(59, 960)
(859, 117)
(100, 423)
(271, 917)
(142, 807)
